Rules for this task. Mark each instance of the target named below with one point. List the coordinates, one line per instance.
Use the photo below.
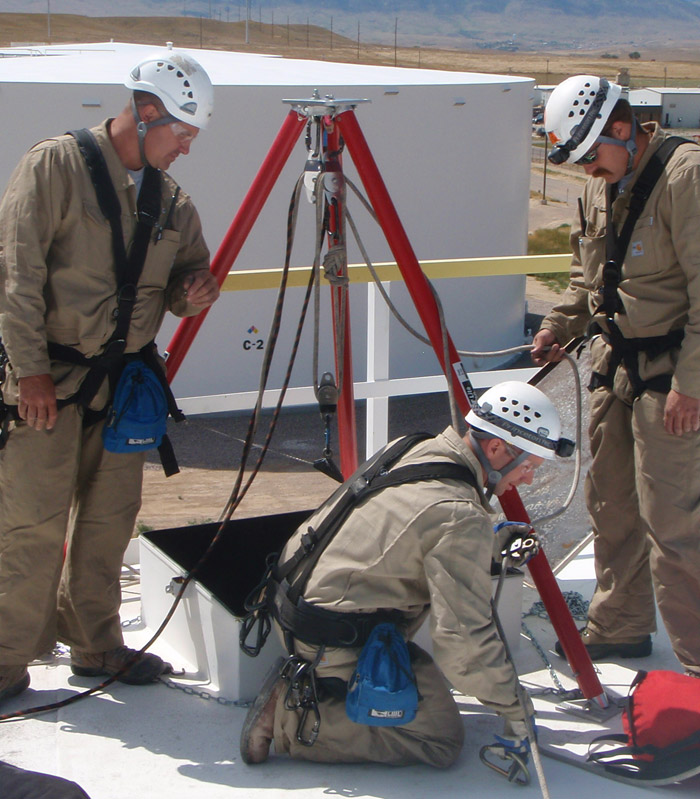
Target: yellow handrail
(252, 279)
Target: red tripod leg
(238, 232)
(426, 306)
(347, 426)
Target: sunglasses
(590, 156)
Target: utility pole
(358, 39)
(396, 29)
(543, 201)
(331, 33)
(247, 21)
(48, 19)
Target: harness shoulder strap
(314, 542)
(128, 268)
(345, 498)
(616, 245)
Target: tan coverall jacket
(643, 489)
(421, 548)
(57, 278)
(57, 283)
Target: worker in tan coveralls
(415, 550)
(58, 286)
(643, 487)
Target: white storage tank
(453, 149)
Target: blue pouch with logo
(137, 418)
(382, 691)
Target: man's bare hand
(545, 348)
(37, 401)
(201, 289)
(681, 413)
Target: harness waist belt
(318, 626)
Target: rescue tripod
(337, 119)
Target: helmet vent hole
(538, 415)
(516, 413)
(187, 84)
(171, 67)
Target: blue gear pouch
(137, 418)
(382, 691)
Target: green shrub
(550, 241)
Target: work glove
(521, 541)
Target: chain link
(205, 695)
(578, 608)
(130, 622)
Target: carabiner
(517, 772)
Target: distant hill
(499, 24)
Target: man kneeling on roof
(421, 542)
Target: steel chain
(205, 695)
(131, 622)
(578, 607)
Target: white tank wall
(458, 175)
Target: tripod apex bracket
(318, 106)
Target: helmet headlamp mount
(563, 447)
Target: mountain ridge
(460, 24)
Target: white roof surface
(103, 63)
(165, 744)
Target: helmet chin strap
(493, 476)
(142, 128)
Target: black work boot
(599, 648)
(13, 680)
(144, 669)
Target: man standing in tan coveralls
(416, 550)
(58, 285)
(643, 488)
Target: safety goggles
(182, 134)
(515, 453)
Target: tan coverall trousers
(57, 485)
(643, 495)
(434, 737)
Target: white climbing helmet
(576, 114)
(521, 415)
(179, 82)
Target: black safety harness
(626, 350)
(128, 267)
(279, 594)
